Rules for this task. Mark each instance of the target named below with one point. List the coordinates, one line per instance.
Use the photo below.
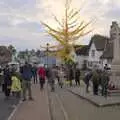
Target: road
(66, 106)
(6, 107)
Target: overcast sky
(20, 19)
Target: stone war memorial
(115, 67)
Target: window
(93, 53)
(90, 64)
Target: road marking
(14, 111)
(62, 107)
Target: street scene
(59, 60)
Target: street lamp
(47, 52)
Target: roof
(108, 53)
(99, 42)
(82, 50)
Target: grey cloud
(22, 44)
(113, 13)
(15, 4)
(19, 20)
(5, 21)
(31, 26)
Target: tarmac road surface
(66, 106)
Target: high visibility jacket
(16, 84)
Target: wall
(96, 59)
(80, 60)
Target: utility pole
(47, 52)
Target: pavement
(7, 106)
(68, 106)
(63, 104)
(38, 109)
(98, 100)
(56, 107)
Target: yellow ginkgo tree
(70, 28)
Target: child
(16, 85)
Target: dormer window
(93, 53)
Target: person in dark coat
(95, 79)
(7, 81)
(87, 78)
(77, 76)
(1, 76)
(34, 74)
(26, 72)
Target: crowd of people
(18, 83)
(8, 80)
(99, 79)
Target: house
(82, 55)
(99, 51)
(96, 49)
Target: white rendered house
(96, 49)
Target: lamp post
(47, 52)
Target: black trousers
(3, 87)
(95, 89)
(6, 90)
(35, 78)
(77, 81)
(87, 87)
(104, 90)
(42, 82)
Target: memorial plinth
(115, 67)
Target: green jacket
(104, 79)
(95, 78)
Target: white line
(14, 111)
(62, 107)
